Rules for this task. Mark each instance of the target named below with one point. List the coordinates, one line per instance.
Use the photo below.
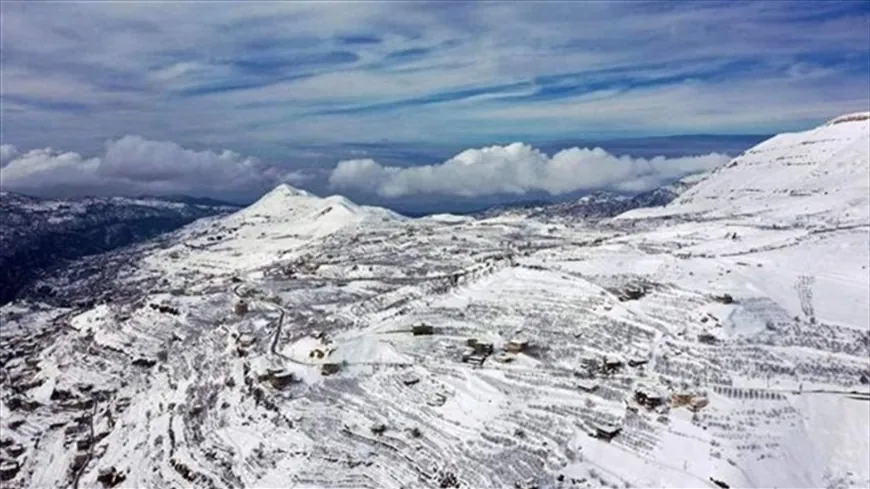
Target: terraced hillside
(699, 350)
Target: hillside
(597, 205)
(37, 235)
(812, 178)
(722, 340)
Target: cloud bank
(133, 165)
(519, 169)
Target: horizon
(411, 105)
(732, 145)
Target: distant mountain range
(38, 235)
(597, 205)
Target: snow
(280, 222)
(786, 403)
(813, 177)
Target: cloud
(7, 152)
(133, 165)
(292, 72)
(519, 169)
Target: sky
(403, 103)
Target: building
(473, 358)
(330, 368)
(241, 308)
(698, 403)
(681, 399)
(707, 339)
(281, 378)
(606, 431)
(246, 340)
(648, 397)
(422, 329)
(611, 363)
(504, 358)
(587, 386)
(483, 348)
(516, 346)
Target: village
(466, 354)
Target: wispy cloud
(298, 73)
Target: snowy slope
(283, 353)
(817, 177)
(39, 234)
(282, 220)
(596, 205)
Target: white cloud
(518, 169)
(133, 165)
(7, 152)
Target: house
(606, 431)
(15, 449)
(587, 386)
(422, 329)
(707, 339)
(281, 378)
(698, 403)
(482, 348)
(648, 397)
(516, 346)
(681, 399)
(245, 340)
(590, 363)
(476, 359)
(724, 298)
(437, 400)
(330, 368)
(504, 358)
(611, 363)
(241, 308)
(8, 469)
(473, 358)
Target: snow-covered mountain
(40, 234)
(597, 205)
(816, 177)
(280, 222)
(720, 341)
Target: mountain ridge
(710, 342)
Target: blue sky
(299, 85)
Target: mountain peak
(287, 190)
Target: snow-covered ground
(276, 347)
